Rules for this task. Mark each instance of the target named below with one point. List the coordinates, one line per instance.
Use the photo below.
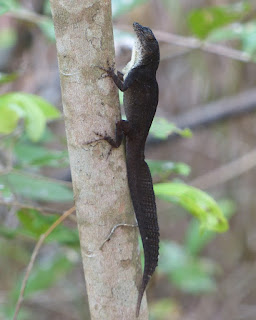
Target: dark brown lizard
(138, 82)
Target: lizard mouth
(144, 34)
(138, 28)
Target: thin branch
(188, 42)
(38, 208)
(33, 257)
(26, 15)
(213, 112)
(114, 229)
(29, 206)
(194, 43)
(226, 172)
(225, 108)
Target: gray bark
(84, 41)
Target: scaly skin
(140, 101)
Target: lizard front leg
(118, 79)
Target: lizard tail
(142, 289)
(146, 215)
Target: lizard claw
(106, 138)
(101, 136)
(109, 71)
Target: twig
(226, 172)
(114, 229)
(26, 15)
(213, 112)
(188, 42)
(194, 43)
(29, 206)
(33, 257)
(221, 109)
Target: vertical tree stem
(84, 41)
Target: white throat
(135, 59)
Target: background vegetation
(206, 79)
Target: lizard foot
(104, 137)
(101, 137)
(110, 70)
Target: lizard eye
(150, 36)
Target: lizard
(138, 82)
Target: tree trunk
(84, 41)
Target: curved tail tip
(140, 296)
(138, 308)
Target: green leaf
(7, 77)
(195, 241)
(122, 6)
(185, 272)
(7, 5)
(35, 121)
(49, 111)
(161, 129)
(204, 20)
(44, 275)
(33, 109)
(163, 169)
(5, 193)
(246, 33)
(164, 309)
(47, 8)
(193, 278)
(48, 29)
(232, 32)
(248, 37)
(197, 202)
(29, 154)
(34, 224)
(8, 37)
(8, 119)
(7, 233)
(172, 256)
(48, 273)
(37, 187)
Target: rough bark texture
(84, 41)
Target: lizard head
(146, 44)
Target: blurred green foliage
(33, 224)
(162, 128)
(7, 77)
(33, 109)
(204, 20)
(245, 33)
(163, 169)
(45, 274)
(197, 202)
(8, 38)
(122, 6)
(36, 187)
(23, 125)
(7, 5)
(164, 309)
